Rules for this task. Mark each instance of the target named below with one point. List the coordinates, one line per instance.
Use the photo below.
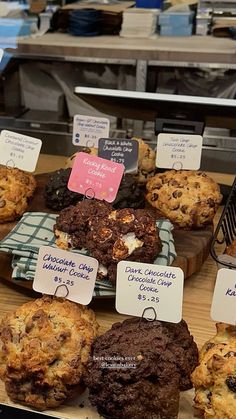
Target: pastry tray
(192, 247)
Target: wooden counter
(198, 291)
(195, 49)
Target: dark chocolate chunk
(231, 383)
(177, 194)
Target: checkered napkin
(35, 229)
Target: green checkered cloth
(35, 229)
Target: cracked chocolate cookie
(72, 224)
(125, 234)
(214, 378)
(44, 349)
(130, 194)
(57, 195)
(16, 188)
(137, 369)
(189, 199)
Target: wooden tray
(192, 247)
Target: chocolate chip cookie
(189, 199)
(16, 188)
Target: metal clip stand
(89, 145)
(65, 288)
(177, 165)
(148, 318)
(87, 195)
(10, 164)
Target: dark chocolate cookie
(130, 194)
(57, 195)
(137, 369)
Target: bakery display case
(59, 358)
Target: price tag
(120, 150)
(141, 286)
(179, 151)
(88, 129)
(95, 177)
(223, 306)
(65, 274)
(18, 150)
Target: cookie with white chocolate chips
(189, 199)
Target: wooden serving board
(192, 247)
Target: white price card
(223, 308)
(65, 274)
(179, 151)
(18, 150)
(142, 286)
(88, 129)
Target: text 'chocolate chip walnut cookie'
(16, 188)
(189, 199)
(44, 349)
(215, 377)
(137, 369)
(109, 235)
(146, 160)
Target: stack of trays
(176, 24)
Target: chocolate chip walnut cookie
(189, 199)
(44, 349)
(214, 378)
(16, 188)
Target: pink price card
(95, 177)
